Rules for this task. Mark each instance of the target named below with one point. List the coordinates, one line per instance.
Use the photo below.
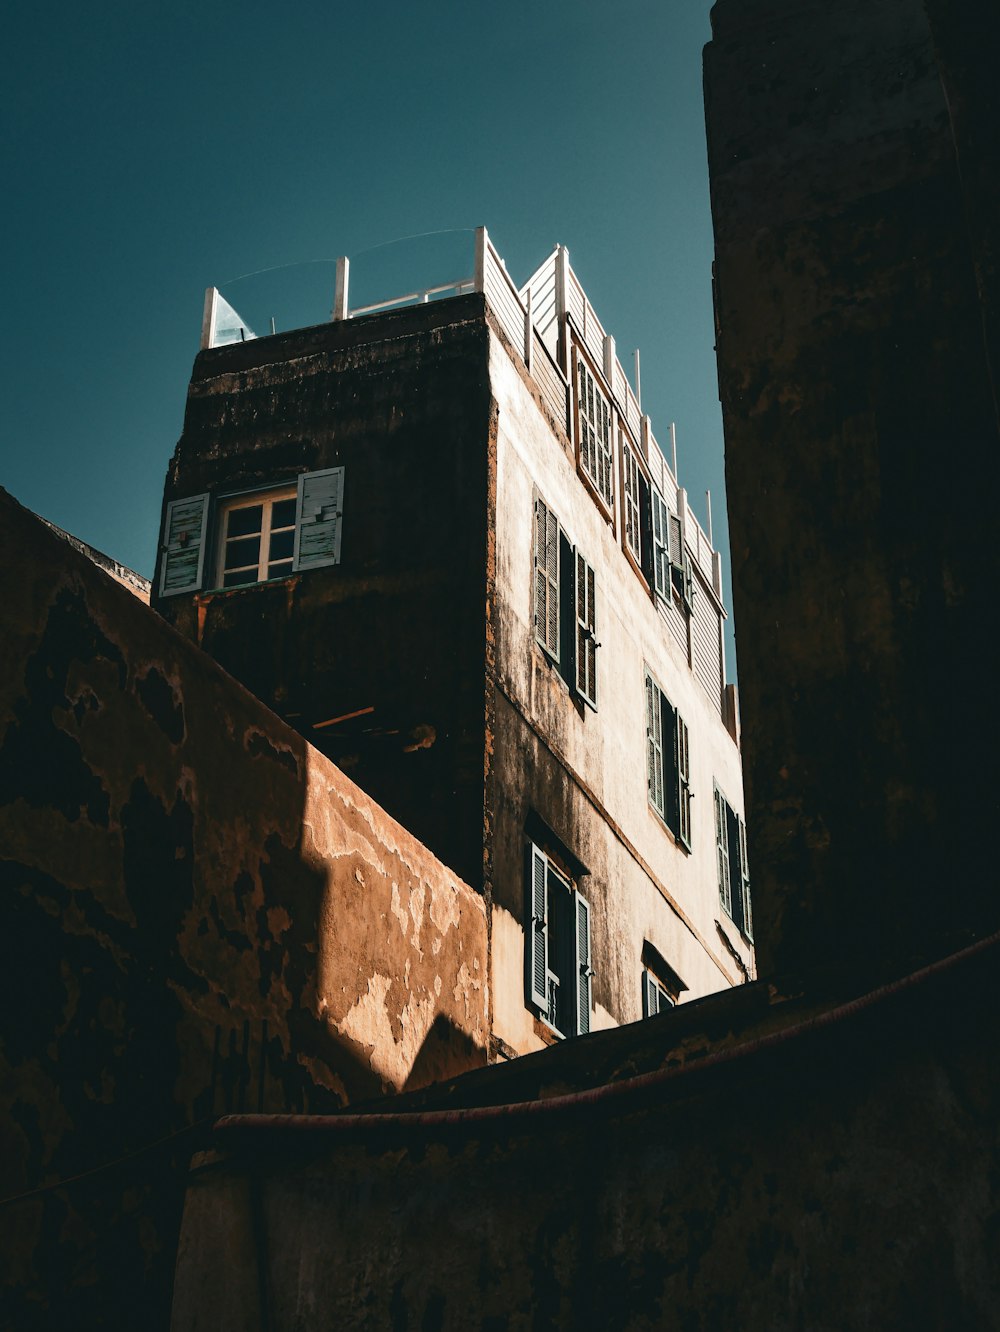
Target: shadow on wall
(167, 887)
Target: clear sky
(154, 149)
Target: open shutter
(661, 552)
(688, 593)
(185, 530)
(654, 746)
(675, 540)
(586, 631)
(546, 557)
(650, 996)
(722, 853)
(683, 757)
(584, 972)
(318, 515)
(536, 933)
(745, 882)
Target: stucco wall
(200, 912)
(584, 772)
(862, 463)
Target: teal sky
(158, 148)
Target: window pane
(282, 544)
(244, 552)
(283, 514)
(244, 521)
(279, 570)
(240, 576)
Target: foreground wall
(852, 153)
(822, 1171)
(199, 913)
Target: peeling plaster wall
(201, 913)
(853, 160)
(583, 773)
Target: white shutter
(682, 753)
(586, 631)
(583, 969)
(745, 882)
(650, 996)
(661, 553)
(546, 591)
(185, 529)
(536, 933)
(654, 746)
(722, 853)
(675, 540)
(318, 518)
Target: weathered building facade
(444, 544)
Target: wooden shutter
(546, 560)
(586, 631)
(318, 515)
(722, 853)
(688, 593)
(682, 751)
(654, 746)
(745, 882)
(536, 933)
(583, 970)
(185, 529)
(675, 540)
(630, 494)
(661, 541)
(650, 996)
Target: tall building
(443, 543)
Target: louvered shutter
(722, 853)
(546, 559)
(654, 746)
(536, 933)
(661, 554)
(318, 515)
(745, 882)
(650, 996)
(630, 495)
(675, 540)
(683, 761)
(583, 970)
(185, 530)
(586, 631)
(688, 583)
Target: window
(262, 535)
(557, 951)
(668, 763)
(256, 538)
(594, 426)
(655, 996)
(734, 869)
(681, 575)
(631, 500)
(565, 604)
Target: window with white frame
(564, 595)
(668, 762)
(661, 985)
(655, 995)
(593, 414)
(557, 946)
(733, 867)
(260, 535)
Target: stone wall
(200, 913)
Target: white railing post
(562, 305)
(708, 508)
(527, 330)
(208, 317)
(647, 431)
(673, 450)
(340, 307)
(609, 361)
(482, 240)
(638, 383)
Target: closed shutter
(630, 494)
(654, 746)
(650, 996)
(185, 530)
(722, 853)
(536, 934)
(318, 518)
(661, 552)
(682, 751)
(586, 631)
(584, 972)
(675, 540)
(546, 559)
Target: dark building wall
(822, 1174)
(861, 463)
(199, 913)
(402, 402)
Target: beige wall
(642, 884)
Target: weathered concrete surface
(834, 1174)
(401, 401)
(855, 225)
(200, 912)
